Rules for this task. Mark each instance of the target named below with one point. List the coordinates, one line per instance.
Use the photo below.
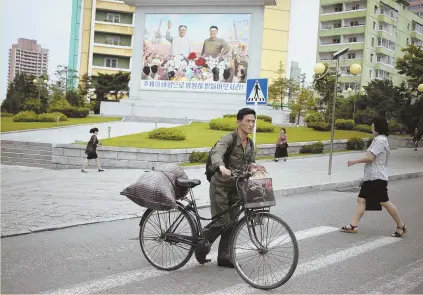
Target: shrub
(52, 117)
(363, 128)
(198, 157)
(60, 104)
(265, 118)
(313, 117)
(229, 124)
(319, 126)
(26, 116)
(72, 112)
(32, 105)
(355, 144)
(229, 116)
(395, 127)
(167, 134)
(315, 148)
(342, 124)
(6, 114)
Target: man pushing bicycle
(234, 151)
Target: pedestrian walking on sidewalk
(281, 146)
(91, 151)
(416, 138)
(374, 189)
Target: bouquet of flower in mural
(197, 67)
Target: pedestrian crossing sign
(257, 91)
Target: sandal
(349, 228)
(397, 234)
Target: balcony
(385, 67)
(113, 28)
(338, 46)
(387, 19)
(386, 35)
(416, 35)
(385, 51)
(115, 50)
(112, 6)
(343, 15)
(347, 30)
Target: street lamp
(420, 88)
(39, 83)
(319, 69)
(355, 69)
(109, 129)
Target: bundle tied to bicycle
(158, 190)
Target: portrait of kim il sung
(196, 47)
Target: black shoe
(201, 250)
(223, 262)
(100, 170)
(83, 171)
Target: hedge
(355, 144)
(72, 112)
(395, 127)
(313, 117)
(319, 126)
(315, 148)
(363, 128)
(342, 124)
(52, 117)
(6, 114)
(26, 116)
(198, 157)
(264, 118)
(167, 134)
(229, 124)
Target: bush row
(355, 144)
(264, 118)
(229, 124)
(198, 157)
(6, 114)
(72, 112)
(315, 148)
(29, 116)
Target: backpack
(210, 171)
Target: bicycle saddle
(187, 183)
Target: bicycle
(188, 220)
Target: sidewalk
(34, 199)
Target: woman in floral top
(374, 190)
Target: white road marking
(125, 278)
(320, 262)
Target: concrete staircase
(32, 154)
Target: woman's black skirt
(281, 152)
(374, 192)
(92, 155)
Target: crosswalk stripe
(409, 278)
(321, 262)
(125, 278)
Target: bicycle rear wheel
(159, 252)
(272, 265)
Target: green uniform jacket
(238, 160)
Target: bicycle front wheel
(159, 252)
(270, 260)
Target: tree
(21, 89)
(304, 102)
(113, 84)
(64, 76)
(411, 65)
(278, 87)
(384, 98)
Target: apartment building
(416, 6)
(102, 37)
(375, 32)
(27, 57)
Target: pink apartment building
(27, 57)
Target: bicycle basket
(257, 191)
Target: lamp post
(355, 69)
(39, 83)
(109, 129)
(320, 69)
(420, 88)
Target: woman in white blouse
(374, 190)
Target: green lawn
(8, 125)
(199, 135)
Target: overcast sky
(48, 22)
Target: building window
(370, 73)
(408, 27)
(373, 42)
(374, 26)
(337, 25)
(353, 24)
(113, 17)
(378, 58)
(371, 57)
(351, 55)
(353, 39)
(338, 8)
(408, 41)
(111, 62)
(375, 9)
(336, 40)
(113, 40)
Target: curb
(278, 194)
(58, 127)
